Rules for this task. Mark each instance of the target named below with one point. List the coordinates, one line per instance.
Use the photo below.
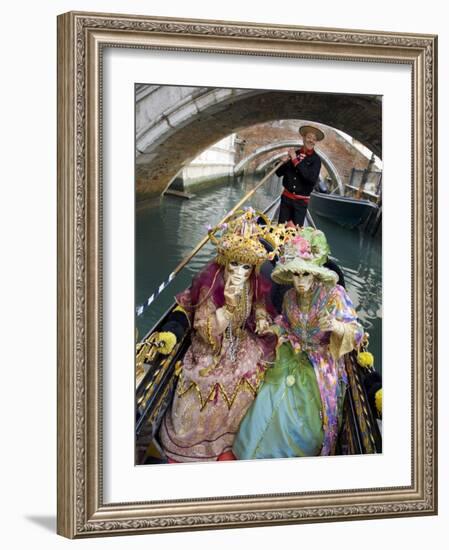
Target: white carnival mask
(238, 273)
(302, 282)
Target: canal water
(168, 228)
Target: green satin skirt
(285, 418)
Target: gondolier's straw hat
(307, 129)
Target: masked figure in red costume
(224, 366)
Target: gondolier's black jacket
(302, 178)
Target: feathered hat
(305, 252)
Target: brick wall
(343, 154)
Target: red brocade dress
(220, 377)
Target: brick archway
(278, 150)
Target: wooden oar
(200, 245)
(140, 309)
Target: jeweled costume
(222, 370)
(298, 409)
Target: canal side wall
(213, 167)
(201, 183)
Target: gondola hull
(346, 211)
(359, 432)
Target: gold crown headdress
(278, 234)
(240, 238)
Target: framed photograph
(188, 398)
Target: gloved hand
(328, 323)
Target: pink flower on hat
(302, 246)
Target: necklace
(236, 325)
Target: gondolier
(300, 173)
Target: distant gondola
(348, 212)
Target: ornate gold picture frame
(82, 40)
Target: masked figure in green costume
(298, 409)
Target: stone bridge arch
(174, 124)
